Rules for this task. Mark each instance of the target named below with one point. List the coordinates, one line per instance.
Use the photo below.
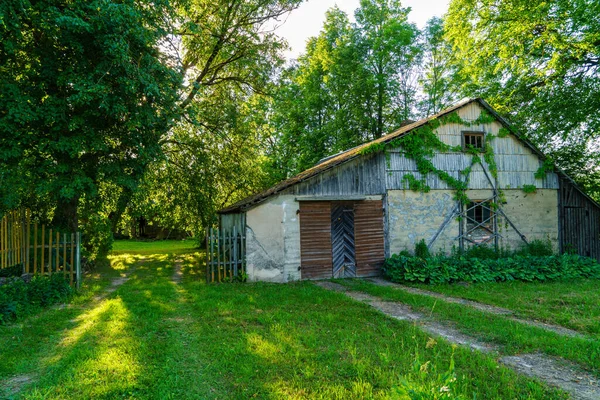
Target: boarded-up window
(315, 239)
(368, 233)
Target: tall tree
(86, 96)
(439, 80)
(355, 82)
(389, 48)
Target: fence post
(235, 252)
(78, 259)
(206, 233)
(24, 244)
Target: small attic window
(473, 139)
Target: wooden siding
(315, 240)
(362, 176)
(516, 162)
(227, 223)
(369, 237)
(579, 221)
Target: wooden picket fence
(37, 249)
(225, 255)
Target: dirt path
(566, 376)
(561, 330)
(12, 386)
(177, 272)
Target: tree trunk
(65, 216)
(115, 217)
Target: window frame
(464, 135)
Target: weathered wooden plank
(315, 240)
(369, 237)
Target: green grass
(153, 339)
(574, 304)
(515, 337)
(154, 246)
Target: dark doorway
(342, 240)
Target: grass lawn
(153, 246)
(514, 336)
(574, 304)
(154, 339)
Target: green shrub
(18, 298)
(15, 270)
(537, 248)
(421, 249)
(443, 269)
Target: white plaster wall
(273, 240)
(413, 216)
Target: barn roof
(337, 159)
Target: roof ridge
(338, 159)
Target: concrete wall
(413, 216)
(535, 215)
(273, 240)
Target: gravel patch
(177, 273)
(12, 386)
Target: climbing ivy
(415, 184)
(529, 189)
(547, 166)
(423, 143)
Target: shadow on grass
(153, 338)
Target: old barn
(477, 183)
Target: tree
(389, 50)
(439, 78)
(354, 83)
(94, 93)
(538, 62)
(86, 96)
(206, 167)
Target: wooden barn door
(368, 236)
(342, 240)
(315, 239)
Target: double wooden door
(341, 239)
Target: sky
(307, 20)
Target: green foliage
(89, 96)
(18, 298)
(355, 82)
(421, 250)
(503, 132)
(547, 166)
(529, 189)
(546, 81)
(438, 80)
(422, 143)
(419, 385)
(15, 270)
(415, 184)
(442, 269)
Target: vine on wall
(423, 143)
